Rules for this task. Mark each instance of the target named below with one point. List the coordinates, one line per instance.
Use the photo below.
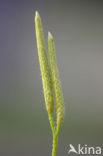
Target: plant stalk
(55, 142)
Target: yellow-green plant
(50, 78)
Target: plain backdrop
(77, 28)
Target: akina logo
(85, 150)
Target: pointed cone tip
(50, 35)
(37, 14)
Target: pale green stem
(51, 122)
(55, 135)
(55, 142)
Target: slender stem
(55, 135)
(55, 142)
(52, 122)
